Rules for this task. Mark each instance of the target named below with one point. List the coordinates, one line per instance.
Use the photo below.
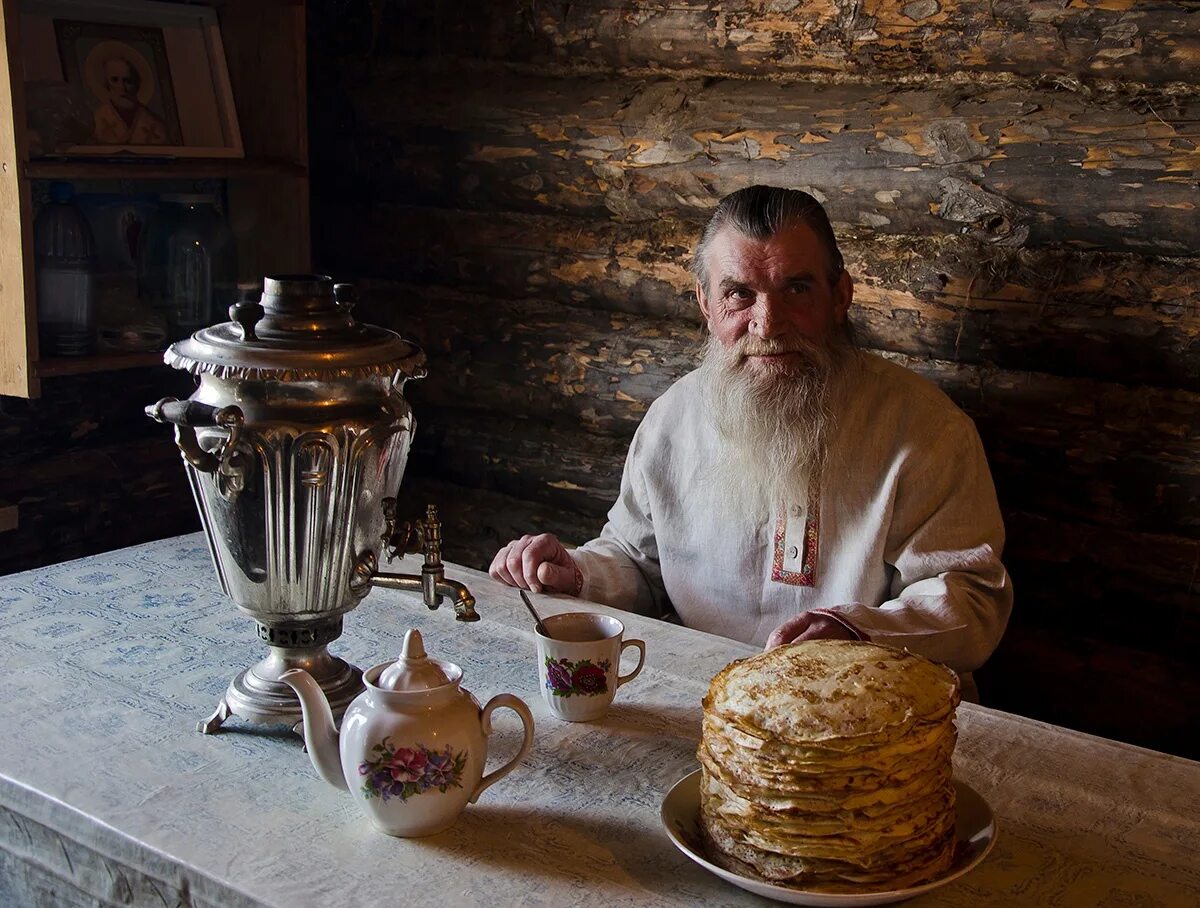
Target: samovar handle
(188, 415)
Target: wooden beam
(596, 369)
(1146, 41)
(1113, 316)
(536, 357)
(1014, 166)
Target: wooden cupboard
(266, 191)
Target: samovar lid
(301, 330)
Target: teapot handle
(517, 705)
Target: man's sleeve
(620, 568)
(951, 595)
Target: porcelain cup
(579, 663)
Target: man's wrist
(843, 621)
(578, 578)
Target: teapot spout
(320, 735)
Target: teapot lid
(414, 670)
(302, 329)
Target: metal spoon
(541, 628)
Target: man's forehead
(793, 249)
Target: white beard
(773, 427)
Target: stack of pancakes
(826, 766)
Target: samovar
(295, 442)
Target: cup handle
(517, 705)
(622, 679)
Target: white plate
(975, 829)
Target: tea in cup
(579, 663)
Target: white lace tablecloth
(110, 796)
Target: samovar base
(257, 696)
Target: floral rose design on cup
(565, 678)
(402, 772)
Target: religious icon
(126, 80)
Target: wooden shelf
(160, 168)
(82, 365)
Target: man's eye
(740, 296)
(799, 287)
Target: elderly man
(793, 487)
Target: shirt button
(793, 552)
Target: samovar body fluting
(312, 482)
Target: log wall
(86, 469)
(519, 184)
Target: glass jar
(187, 267)
(64, 270)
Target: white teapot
(412, 745)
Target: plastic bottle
(64, 267)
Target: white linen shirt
(902, 539)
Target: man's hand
(537, 563)
(809, 626)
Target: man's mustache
(754, 346)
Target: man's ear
(702, 298)
(843, 296)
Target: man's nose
(767, 319)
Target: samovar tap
(431, 583)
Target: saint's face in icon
(124, 119)
(123, 83)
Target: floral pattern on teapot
(403, 772)
(566, 679)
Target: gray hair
(760, 212)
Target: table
(109, 796)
